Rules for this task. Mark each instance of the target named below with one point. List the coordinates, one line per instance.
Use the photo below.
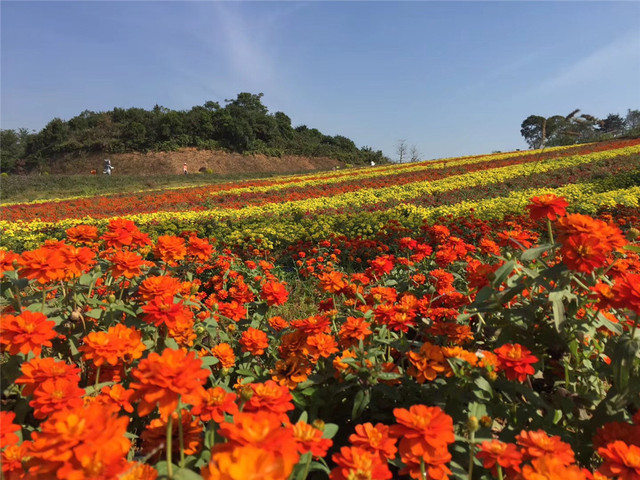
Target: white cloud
(616, 58)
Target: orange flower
(353, 330)
(121, 233)
(45, 265)
(547, 206)
(309, 439)
(38, 370)
(200, 248)
(7, 435)
(291, 371)
(621, 461)
(424, 433)
(80, 443)
(278, 323)
(254, 341)
(117, 396)
(217, 401)
(27, 332)
(160, 286)
(163, 311)
(321, 345)
(496, 452)
(549, 467)
(583, 253)
(7, 260)
(537, 443)
(224, 353)
(461, 354)
(274, 293)
(313, 324)
(161, 379)
(12, 458)
(82, 234)
(263, 430)
(427, 363)
(77, 260)
(126, 264)
(375, 439)
(56, 394)
(332, 282)
(515, 360)
(170, 249)
(357, 463)
(626, 291)
(118, 344)
(270, 397)
(230, 462)
(138, 471)
(154, 435)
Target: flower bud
(473, 424)
(486, 421)
(246, 393)
(319, 424)
(111, 298)
(633, 234)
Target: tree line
(243, 125)
(576, 128)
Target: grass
(26, 188)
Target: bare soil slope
(163, 163)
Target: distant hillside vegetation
(243, 125)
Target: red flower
(496, 452)
(583, 253)
(309, 439)
(375, 439)
(170, 249)
(216, 402)
(547, 206)
(538, 443)
(515, 360)
(7, 435)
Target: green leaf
(360, 402)
(533, 253)
(558, 309)
(632, 248)
(503, 272)
(330, 430)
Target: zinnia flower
(534, 444)
(583, 253)
(309, 439)
(162, 379)
(495, 452)
(118, 344)
(375, 439)
(515, 360)
(216, 403)
(355, 463)
(170, 249)
(547, 206)
(254, 341)
(621, 461)
(274, 293)
(231, 462)
(27, 332)
(549, 467)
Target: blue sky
(452, 78)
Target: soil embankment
(166, 163)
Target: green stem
(500, 477)
(181, 436)
(423, 469)
(307, 466)
(169, 434)
(95, 387)
(44, 298)
(472, 443)
(635, 326)
(550, 232)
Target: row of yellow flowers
(385, 171)
(290, 225)
(311, 179)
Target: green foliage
(244, 125)
(572, 129)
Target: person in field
(184, 168)
(107, 166)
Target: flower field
(472, 318)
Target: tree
(401, 150)
(614, 123)
(533, 129)
(632, 120)
(415, 155)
